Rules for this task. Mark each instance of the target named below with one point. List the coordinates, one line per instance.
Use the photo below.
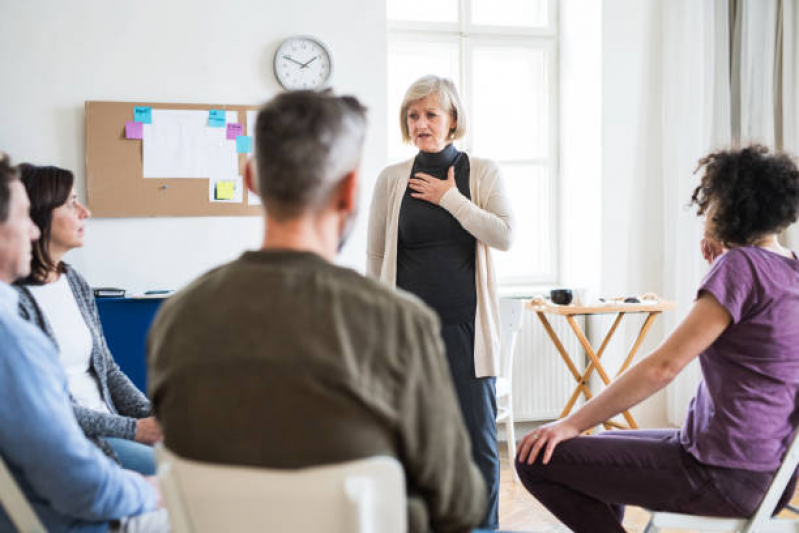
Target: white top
(487, 216)
(73, 338)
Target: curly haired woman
(743, 328)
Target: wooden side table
(582, 377)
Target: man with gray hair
(68, 482)
(282, 359)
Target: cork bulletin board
(116, 184)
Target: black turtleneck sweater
(435, 255)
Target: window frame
(469, 35)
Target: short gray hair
(306, 142)
(448, 97)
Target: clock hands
(305, 65)
(285, 56)
(302, 65)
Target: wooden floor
(519, 511)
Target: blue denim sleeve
(43, 444)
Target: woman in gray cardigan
(112, 412)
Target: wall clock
(302, 62)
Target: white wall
(581, 143)
(632, 217)
(611, 186)
(55, 55)
(632, 212)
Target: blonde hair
(448, 97)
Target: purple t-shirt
(745, 409)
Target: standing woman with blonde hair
(432, 223)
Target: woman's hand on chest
(431, 189)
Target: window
(501, 54)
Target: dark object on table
(109, 292)
(561, 296)
(632, 300)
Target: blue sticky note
(143, 114)
(244, 144)
(216, 118)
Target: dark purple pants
(589, 480)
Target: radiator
(542, 384)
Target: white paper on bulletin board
(181, 144)
(252, 116)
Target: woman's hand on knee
(148, 431)
(547, 437)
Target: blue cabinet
(126, 322)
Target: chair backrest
(511, 311)
(777, 487)
(16, 506)
(364, 496)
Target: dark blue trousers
(478, 401)
(589, 480)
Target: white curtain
(696, 119)
(769, 78)
(790, 93)
(729, 73)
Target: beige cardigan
(487, 216)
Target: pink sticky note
(233, 131)
(133, 130)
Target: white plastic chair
(16, 506)
(363, 496)
(760, 522)
(511, 311)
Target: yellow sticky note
(225, 190)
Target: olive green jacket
(281, 359)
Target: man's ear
(250, 179)
(347, 194)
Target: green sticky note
(225, 190)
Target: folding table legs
(595, 364)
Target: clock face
(302, 63)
